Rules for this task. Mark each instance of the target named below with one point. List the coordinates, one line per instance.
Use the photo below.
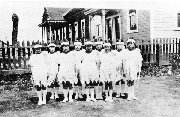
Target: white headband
(106, 44)
(88, 43)
(78, 43)
(65, 43)
(100, 43)
(51, 45)
(37, 46)
(119, 43)
(131, 40)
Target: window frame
(176, 21)
(128, 22)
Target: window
(178, 20)
(83, 28)
(76, 30)
(132, 21)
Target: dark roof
(56, 13)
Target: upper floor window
(132, 21)
(178, 19)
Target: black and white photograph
(90, 58)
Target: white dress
(99, 62)
(107, 69)
(77, 57)
(131, 61)
(39, 69)
(67, 67)
(119, 65)
(52, 66)
(88, 68)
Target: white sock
(97, 92)
(39, 94)
(44, 96)
(107, 96)
(52, 92)
(110, 93)
(70, 95)
(87, 94)
(133, 94)
(92, 93)
(110, 96)
(100, 91)
(129, 92)
(65, 92)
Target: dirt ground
(157, 97)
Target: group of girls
(86, 71)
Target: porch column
(59, 34)
(90, 33)
(42, 33)
(120, 27)
(106, 30)
(62, 33)
(44, 36)
(113, 32)
(55, 34)
(50, 33)
(103, 25)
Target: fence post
(149, 53)
(3, 56)
(157, 51)
(8, 55)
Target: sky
(30, 13)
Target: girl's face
(120, 46)
(88, 48)
(77, 47)
(66, 48)
(107, 48)
(52, 49)
(99, 47)
(37, 50)
(130, 46)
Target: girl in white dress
(66, 74)
(52, 71)
(77, 55)
(39, 70)
(89, 72)
(99, 87)
(107, 70)
(131, 60)
(120, 82)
